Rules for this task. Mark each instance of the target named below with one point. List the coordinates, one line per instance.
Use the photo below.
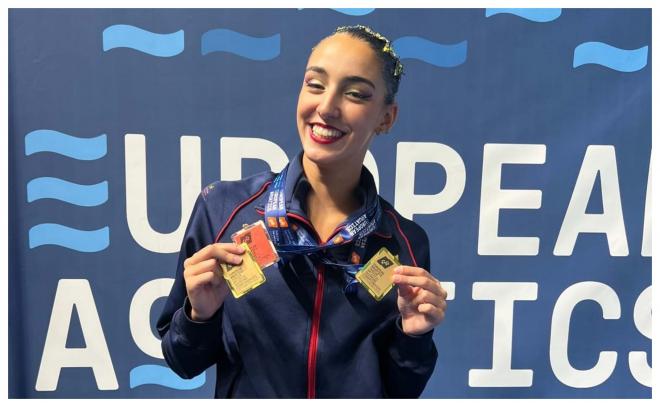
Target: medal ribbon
(291, 239)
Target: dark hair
(392, 67)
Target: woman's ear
(389, 118)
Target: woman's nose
(329, 106)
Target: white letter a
(597, 159)
(56, 355)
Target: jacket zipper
(314, 335)
(316, 314)
(316, 317)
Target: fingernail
(397, 279)
(237, 259)
(241, 249)
(397, 270)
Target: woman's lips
(324, 135)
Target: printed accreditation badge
(244, 277)
(376, 275)
(256, 237)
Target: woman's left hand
(422, 300)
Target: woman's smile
(324, 134)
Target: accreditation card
(256, 236)
(376, 275)
(244, 277)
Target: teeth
(327, 133)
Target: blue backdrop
(522, 147)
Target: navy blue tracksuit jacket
(298, 335)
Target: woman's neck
(333, 189)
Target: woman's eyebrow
(349, 79)
(360, 79)
(316, 69)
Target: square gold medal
(376, 275)
(244, 277)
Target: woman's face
(342, 102)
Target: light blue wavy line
(128, 36)
(256, 49)
(87, 241)
(539, 15)
(354, 11)
(74, 147)
(618, 59)
(77, 194)
(163, 376)
(446, 56)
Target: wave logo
(163, 376)
(76, 194)
(618, 59)
(355, 12)
(538, 15)
(233, 42)
(128, 36)
(440, 55)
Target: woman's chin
(322, 157)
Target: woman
(310, 330)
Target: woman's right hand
(206, 287)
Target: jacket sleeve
(190, 347)
(407, 361)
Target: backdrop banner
(522, 147)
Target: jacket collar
(297, 187)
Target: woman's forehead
(346, 54)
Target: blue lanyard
(291, 239)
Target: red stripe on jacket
(412, 256)
(238, 208)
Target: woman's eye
(314, 85)
(358, 95)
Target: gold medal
(376, 275)
(244, 277)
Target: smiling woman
(343, 103)
(315, 327)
